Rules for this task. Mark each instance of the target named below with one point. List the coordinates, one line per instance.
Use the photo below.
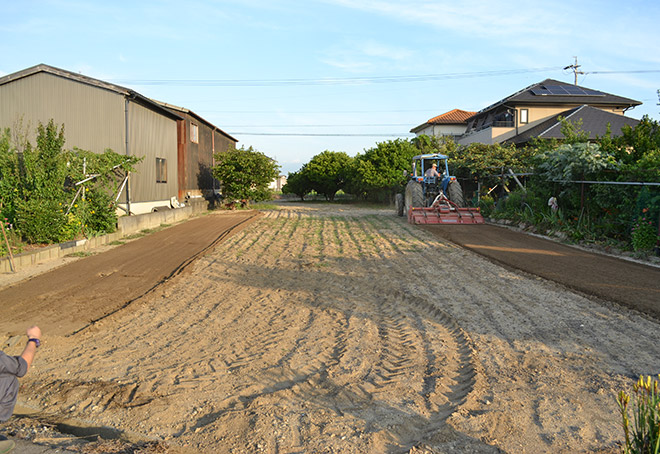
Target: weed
(134, 236)
(642, 434)
(644, 235)
(265, 206)
(80, 254)
(116, 243)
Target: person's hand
(34, 332)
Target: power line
(329, 80)
(317, 126)
(637, 71)
(405, 134)
(432, 109)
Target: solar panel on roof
(573, 90)
(564, 90)
(540, 91)
(556, 90)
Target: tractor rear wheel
(399, 204)
(414, 196)
(455, 193)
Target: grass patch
(265, 206)
(134, 236)
(80, 254)
(116, 243)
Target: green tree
(39, 213)
(328, 172)
(574, 162)
(379, 172)
(102, 173)
(245, 174)
(480, 160)
(39, 192)
(297, 183)
(637, 142)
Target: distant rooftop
(552, 91)
(594, 121)
(453, 117)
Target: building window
(194, 133)
(524, 116)
(161, 170)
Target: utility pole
(574, 67)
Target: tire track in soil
(274, 331)
(457, 383)
(313, 328)
(398, 335)
(312, 346)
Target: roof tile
(455, 116)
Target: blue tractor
(432, 196)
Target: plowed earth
(329, 329)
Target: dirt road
(68, 298)
(339, 329)
(625, 282)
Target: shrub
(41, 220)
(487, 205)
(101, 216)
(642, 435)
(644, 235)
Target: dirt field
(330, 329)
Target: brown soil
(335, 329)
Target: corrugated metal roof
(89, 81)
(191, 113)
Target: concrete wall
(131, 224)
(442, 130)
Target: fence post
(657, 242)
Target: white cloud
(346, 64)
(367, 56)
(560, 28)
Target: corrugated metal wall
(94, 119)
(196, 159)
(153, 136)
(222, 143)
(81, 108)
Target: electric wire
(302, 134)
(330, 80)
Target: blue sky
(337, 67)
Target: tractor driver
(432, 172)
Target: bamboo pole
(11, 256)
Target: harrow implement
(444, 211)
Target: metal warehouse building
(198, 141)
(98, 115)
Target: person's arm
(30, 350)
